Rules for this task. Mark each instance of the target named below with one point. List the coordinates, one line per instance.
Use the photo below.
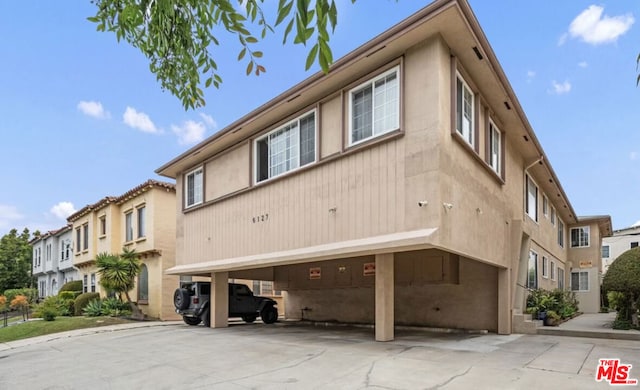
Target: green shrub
(115, 308)
(74, 285)
(616, 300)
(621, 324)
(53, 304)
(49, 314)
(30, 293)
(82, 300)
(563, 303)
(93, 308)
(67, 295)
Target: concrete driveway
(291, 356)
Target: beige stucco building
(142, 219)
(405, 187)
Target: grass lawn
(61, 324)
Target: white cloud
(139, 120)
(633, 156)
(8, 216)
(583, 64)
(592, 27)
(530, 75)
(560, 88)
(190, 132)
(62, 210)
(208, 120)
(93, 109)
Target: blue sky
(82, 117)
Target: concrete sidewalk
(591, 325)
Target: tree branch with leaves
(179, 37)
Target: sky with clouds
(83, 118)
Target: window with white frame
(78, 240)
(93, 282)
(286, 148)
(560, 233)
(531, 205)
(375, 107)
(465, 108)
(103, 225)
(579, 280)
(128, 226)
(532, 273)
(580, 237)
(552, 269)
(85, 284)
(605, 251)
(141, 221)
(560, 278)
(495, 148)
(143, 284)
(193, 188)
(545, 267)
(545, 206)
(553, 215)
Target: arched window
(143, 285)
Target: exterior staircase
(524, 324)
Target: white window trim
(554, 215)
(144, 227)
(545, 267)
(395, 69)
(186, 187)
(588, 228)
(497, 168)
(564, 235)
(315, 149)
(128, 213)
(602, 249)
(552, 269)
(472, 131)
(528, 178)
(588, 280)
(537, 256)
(545, 202)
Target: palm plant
(118, 274)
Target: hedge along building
(142, 219)
(405, 186)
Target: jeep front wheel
(181, 299)
(269, 314)
(193, 321)
(249, 318)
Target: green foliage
(616, 300)
(54, 304)
(61, 324)
(623, 277)
(30, 293)
(83, 300)
(177, 36)
(49, 314)
(621, 324)
(74, 285)
(15, 260)
(118, 274)
(114, 307)
(93, 308)
(560, 302)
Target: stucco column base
(219, 300)
(504, 301)
(384, 297)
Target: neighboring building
(142, 219)
(621, 241)
(51, 261)
(404, 187)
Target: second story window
(580, 237)
(141, 222)
(465, 111)
(103, 225)
(193, 188)
(286, 148)
(375, 107)
(78, 241)
(605, 251)
(531, 205)
(85, 238)
(560, 233)
(128, 226)
(495, 148)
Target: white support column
(504, 301)
(219, 301)
(384, 297)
